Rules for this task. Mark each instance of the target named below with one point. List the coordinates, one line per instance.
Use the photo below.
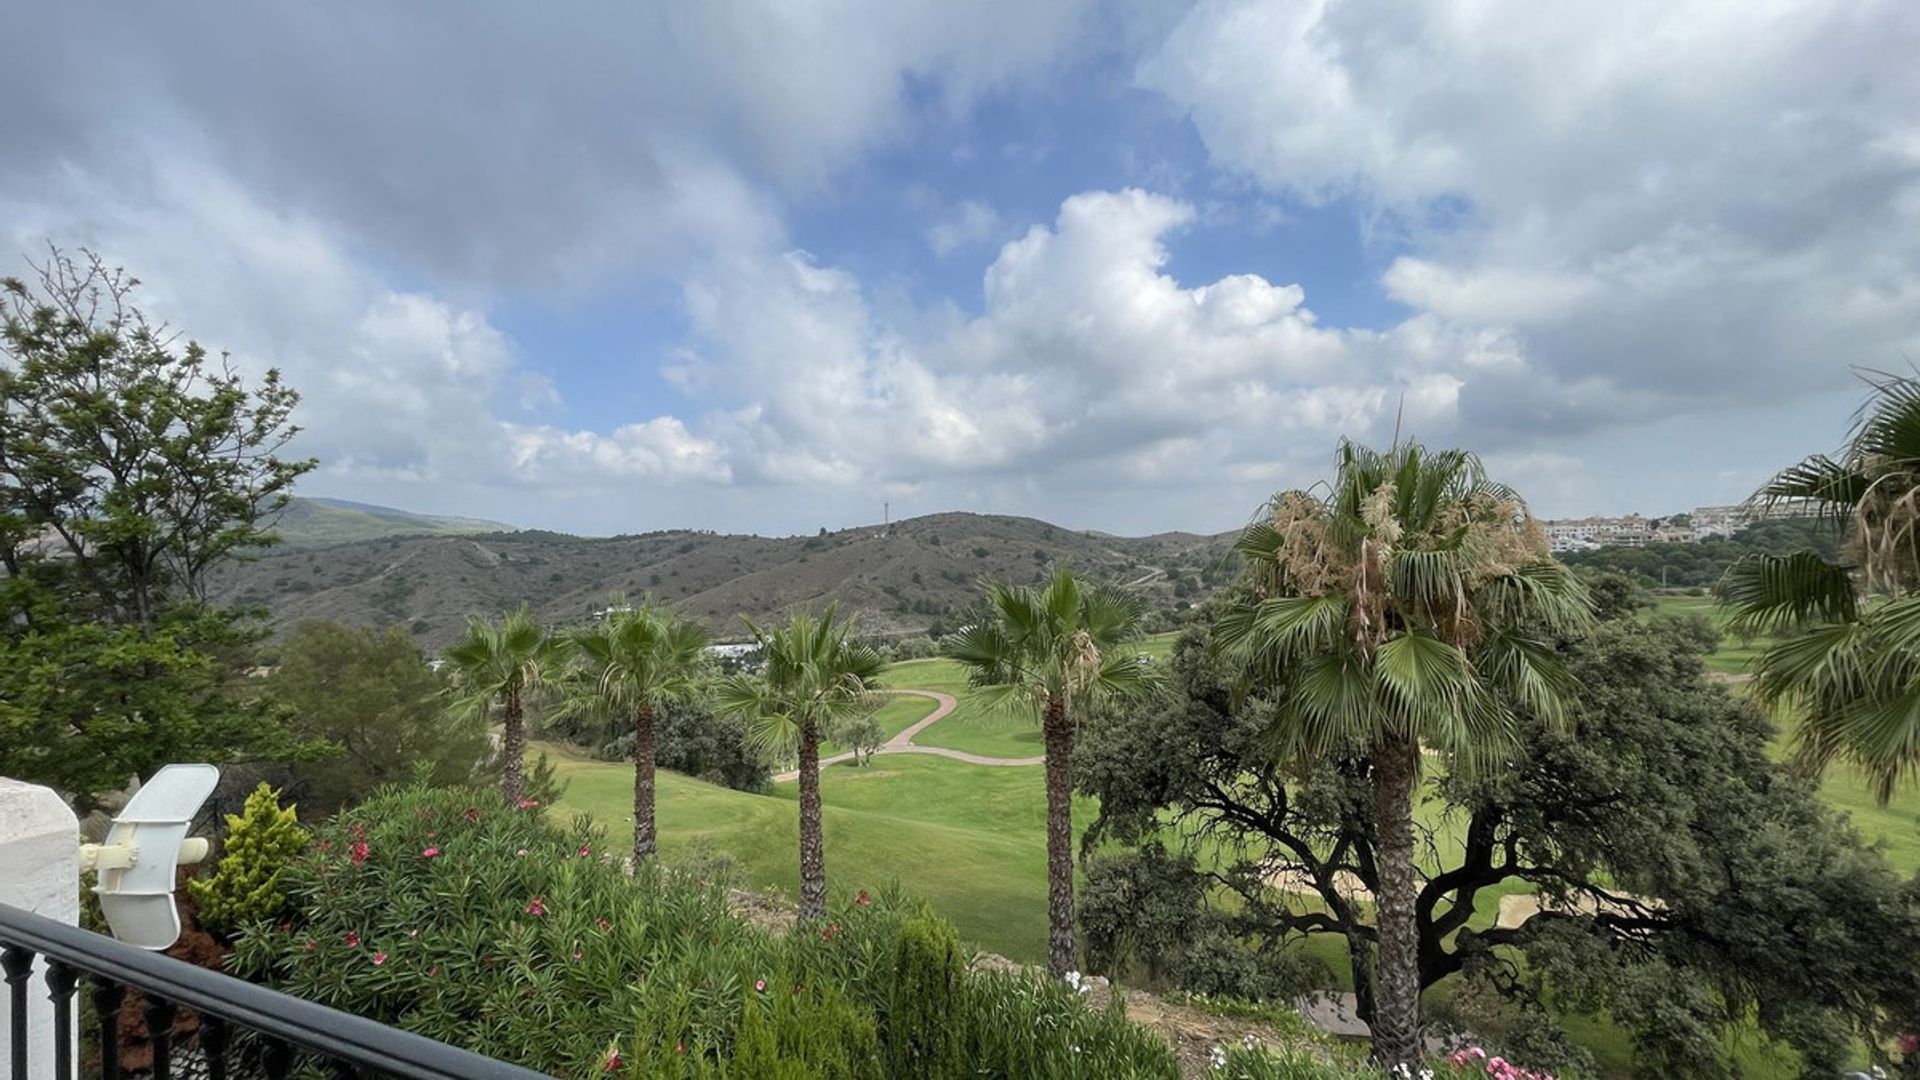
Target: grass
(969, 839)
(975, 726)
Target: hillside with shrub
(918, 576)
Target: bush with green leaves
(929, 982)
(445, 912)
(247, 884)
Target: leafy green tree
(375, 700)
(1056, 651)
(143, 462)
(1688, 884)
(1849, 659)
(813, 674)
(1408, 607)
(131, 466)
(626, 667)
(862, 735)
(503, 663)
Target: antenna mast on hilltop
(886, 515)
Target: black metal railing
(287, 1026)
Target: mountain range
(373, 566)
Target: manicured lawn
(975, 726)
(968, 839)
(898, 713)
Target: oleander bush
(450, 913)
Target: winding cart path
(903, 743)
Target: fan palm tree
(504, 663)
(1053, 650)
(624, 668)
(1848, 659)
(812, 675)
(1410, 604)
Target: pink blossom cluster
(1473, 1058)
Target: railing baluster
(213, 1045)
(18, 963)
(159, 1016)
(279, 1059)
(61, 979)
(291, 1033)
(107, 996)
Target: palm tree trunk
(813, 855)
(643, 758)
(1396, 1020)
(1058, 735)
(513, 773)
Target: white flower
(1218, 1056)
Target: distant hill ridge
(310, 524)
(426, 573)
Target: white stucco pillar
(39, 872)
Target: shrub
(918, 647)
(262, 843)
(1030, 1025)
(446, 912)
(1254, 1062)
(695, 740)
(929, 979)
(381, 708)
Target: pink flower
(310, 946)
(586, 850)
(760, 985)
(353, 939)
(578, 955)
(603, 924)
(430, 853)
(526, 804)
(432, 971)
(472, 814)
(359, 852)
(379, 958)
(863, 899)
(679, 1048)
(831, 930)
(537, 906)
(1910, 1043)
(613, 1061)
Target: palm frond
(1769, 594)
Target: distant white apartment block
(1633, 530)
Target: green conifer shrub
(924, 1037)
(247, 885)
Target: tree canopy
(1687, 882)
(131, 465)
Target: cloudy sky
(761, 267)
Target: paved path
(903, 743)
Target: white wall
(40, 872)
